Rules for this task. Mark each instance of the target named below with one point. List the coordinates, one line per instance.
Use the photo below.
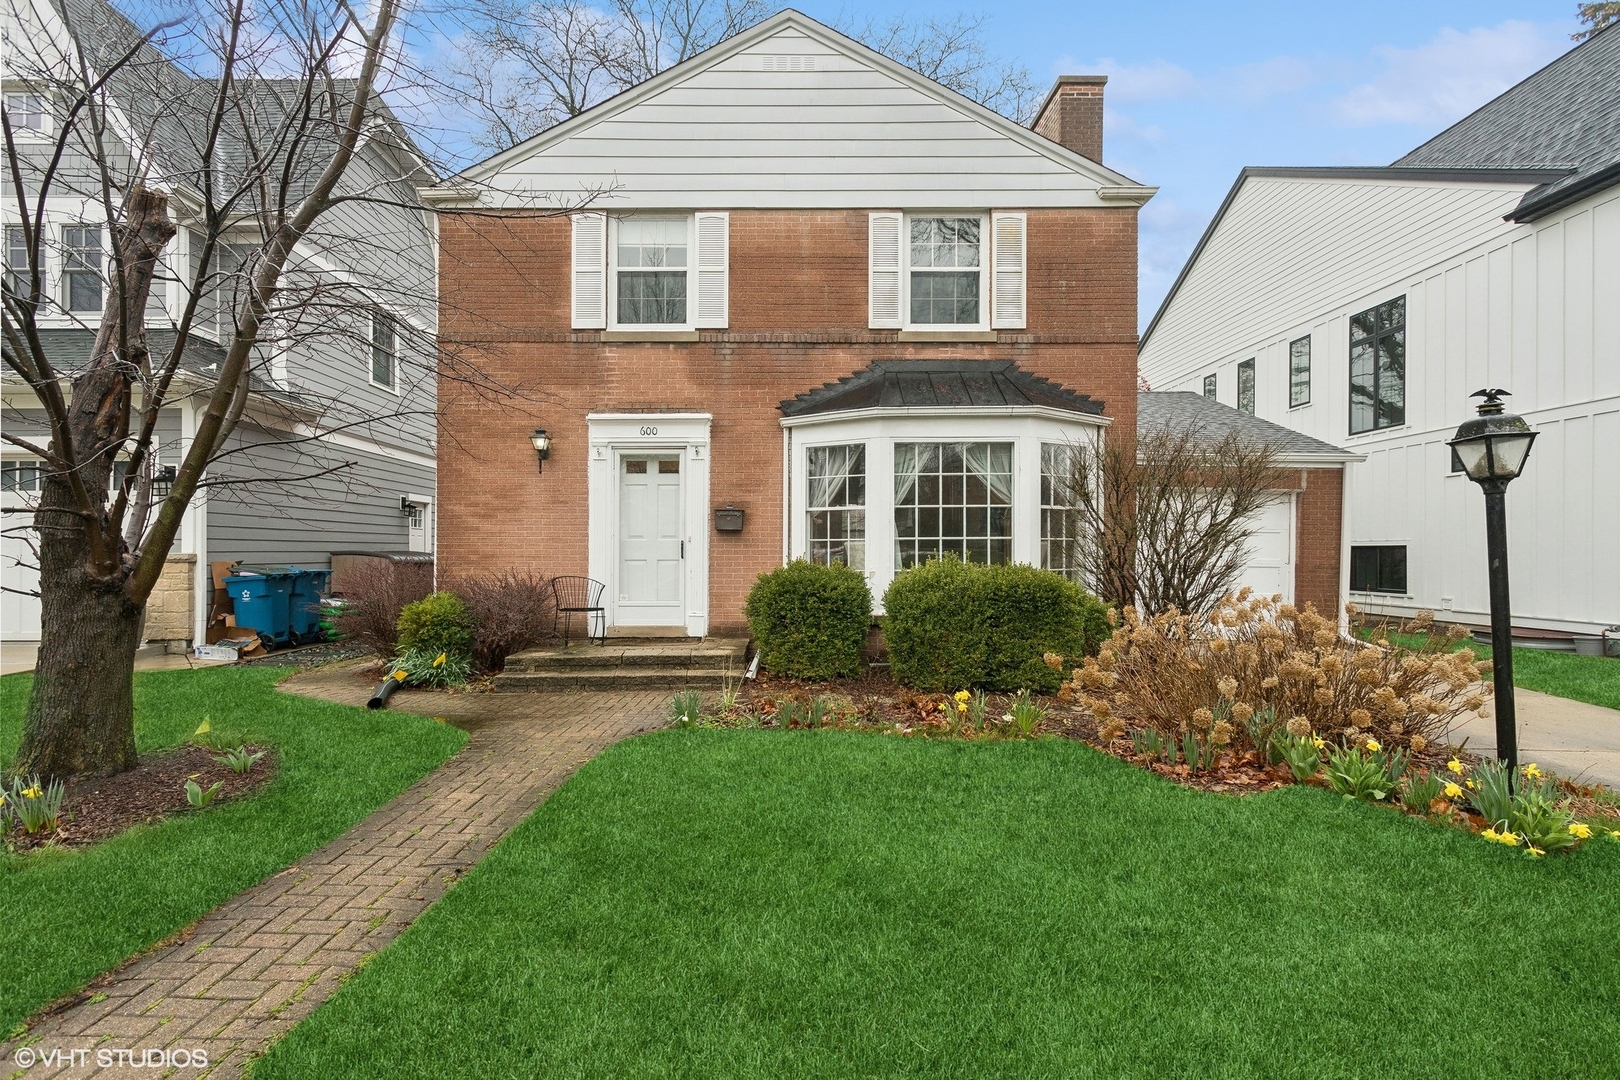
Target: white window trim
(47, 128)
(613, 323)
(880, 429)
(371, 363)
(57, 261)
(984, 268)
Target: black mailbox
(728, 518)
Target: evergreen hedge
(950, 625)
(810, 621)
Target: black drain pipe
(386, 688)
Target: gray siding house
(336, 450)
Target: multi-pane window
(1209, 386)
(650, 269)
(1245, 401)
(1059, 520)
(1299, 372)
(26, 112)
(836, 498)
(945, 270)
(1378, 568)
(952, 498)
(384, 348)
(16, 260)
(81, 267)
(1378, 367)
(20, 475)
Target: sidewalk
(1574, 739)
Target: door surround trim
(612, 435)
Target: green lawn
(703, 903)
(66, 916)
(1593, 679)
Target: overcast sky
(1197, 91)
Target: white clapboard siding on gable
(590, 271)
(883, 274)
(745, 133)
(713, 268)
(1007, 291)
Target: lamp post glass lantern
(1493, 447)
(542, 446)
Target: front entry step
(627, 664)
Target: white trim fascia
(640, 416)
(1077, 163)
(368, 446)
(947, 412)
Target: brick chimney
(1073, 114)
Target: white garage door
(1270, 565)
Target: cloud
(1155, 80)
(1276, 75)
(1449, 76)
(1122, 126)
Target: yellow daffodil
(1372, 744)
(1535, 852)
(31, 792)
(1614, 834)
(1471, 785)
(440, 660)
(1511, 839)
(1531, 771)
(944, 707)
(1455, 766)
(1580, 830)
(1491, 834)
(963, 695)
(961, 706)
(1453, 791)
(1319, 742)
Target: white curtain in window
(906, 457)
(993, 462)
(830, 468)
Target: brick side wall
(1073, 116)
(1316, 554)
(798, 320)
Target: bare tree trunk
(81, 711)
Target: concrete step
(636, 678)
(596, 658)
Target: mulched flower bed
(99, 807)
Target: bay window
(835, 498)
(1059, 519)
(952, 498)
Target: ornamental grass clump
(1254, 659)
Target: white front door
(652, 548)
(1269, 569)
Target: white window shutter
(883, 275)
(590, 272)
(713, 267)
(1007, 286)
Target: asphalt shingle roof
(940, 383)
(1567, 114)
(1178, 410)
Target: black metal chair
(579, 594)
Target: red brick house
(804, 283)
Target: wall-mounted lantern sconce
(163, 481)
(542, 446)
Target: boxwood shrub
(810, 621)
(951, 625)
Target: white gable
(792, 115)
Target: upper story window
(384, 349)
(650, 271)
(946, 279)
(1245, 402)
(1378, 367)
(27, 113)
(16, 260)
(1209, 386)
(835, 493)
(1299, 372)
(81, 267)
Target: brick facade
(1317, 540)
(798, 293)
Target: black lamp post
(1492, 448)
(542, 447)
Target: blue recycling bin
(307, 589)
(263, 604)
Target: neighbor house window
(81, 267)
(26, 112)
(20, 475)
(384, 345)
(1378, 367)
(836, 498)
(1059, 465)
(952, 498)
(1209, 387)
(1245, 401)
(1380, 568)
(16, 260)
(650, 269)
(945, 270)
(1299, 372)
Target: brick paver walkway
(251, 969)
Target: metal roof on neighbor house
(1567, 114)
(898, 384)
(1178, 410)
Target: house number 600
(646, 430)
